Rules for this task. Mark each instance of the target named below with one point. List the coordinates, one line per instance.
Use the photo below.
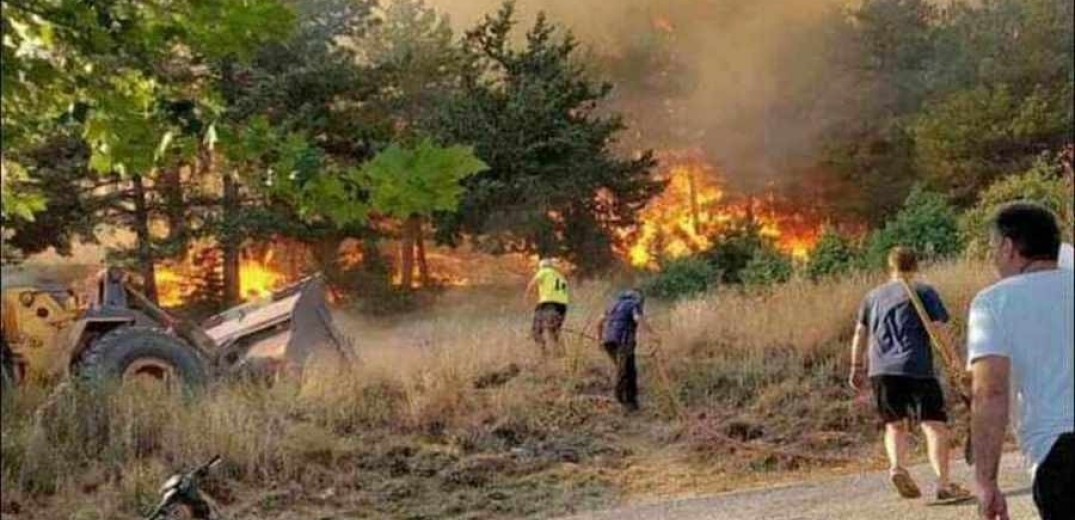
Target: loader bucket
(288, 329)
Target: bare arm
(858, 352)
(989, 415)
(858, 346)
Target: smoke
(753, 84)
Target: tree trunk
(327, 250)
(145, 245)
(406, 254)
(171, 190)
(229, 242)
(420, 250)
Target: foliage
(681, 278)
(926, 223)
(19, 202)
(419, 180)
(768, 267)
(834, 254)
(108, 64)
(416, 59)
(128, 78)
(734, 248)
(554, 185)
(957, 96)
(1043, 184)
(59, 173)
(975, 136)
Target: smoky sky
(754, 84)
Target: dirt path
(857, 497)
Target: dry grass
(451, 412)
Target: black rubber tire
(110, 355)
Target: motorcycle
(182, 491)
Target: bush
(833, 254)
(1043, 184)
(734, 249)
(680, 278)
(768, 267)
(927, 224)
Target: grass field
(451, 412)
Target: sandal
(952, 493)
(905, 485)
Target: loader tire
(128, 352)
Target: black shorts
(548, 316)
(1054, 480)
(900, 398)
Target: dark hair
(1031, 227)
(903, 259)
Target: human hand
(857, 378)
(991, 503)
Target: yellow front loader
(120, 334)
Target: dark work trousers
(623, 355)
(1054, 482)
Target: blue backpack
(620, 324)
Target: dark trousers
(623, 355)
(1054, 482)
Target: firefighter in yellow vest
(552, 304)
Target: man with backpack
(619, 330)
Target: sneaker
(905, 485)
(951, 494)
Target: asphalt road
(859, 497)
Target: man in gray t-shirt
(901, 372)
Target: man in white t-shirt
(1021, 337)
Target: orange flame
(179, 282)
(694, 210)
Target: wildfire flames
(200, 274)
(690, 216)
(694, 210)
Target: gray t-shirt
(899, 342)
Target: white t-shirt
(1029, 319)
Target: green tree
(413, 53)
(410, 184)
(112, 67)
(768, 266)
(554, 186)
(882, 52)
(927, 223)
(734, 248)
(1044, 183)
(834, 254)
(681, 278)
(976, 136)
(309, 105)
